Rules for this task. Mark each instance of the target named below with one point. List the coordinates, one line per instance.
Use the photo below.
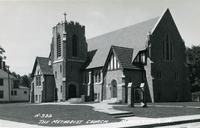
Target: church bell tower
(68, 55)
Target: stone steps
(75, 100)
(122, 114)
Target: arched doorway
(113, 88)
(72, 91)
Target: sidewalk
(129, 122)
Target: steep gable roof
(134, 36)
(43, 63)
(124, 56)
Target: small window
(96, 77)
(1, 82)
(143, 57)
(60, 68)
(25, 92)
(36, 97)
(13, 92)
(1, 94)
(38, 80)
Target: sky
(26, 26)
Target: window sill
(98, 82)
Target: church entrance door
(114, 89)
(72, 91)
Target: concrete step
(75, 100)
(122, 114)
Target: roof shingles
(124, 56)
(45, 68)
(134, 36)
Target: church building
(113, 65)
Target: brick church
(109, 66)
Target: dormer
(141, 58)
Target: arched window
(74, 46)
(58, 46)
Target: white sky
(26, 27)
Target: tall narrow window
(60, 68)
(114, 59)
(167, 47)
(1, 82)
(117, 63)
(89, 81)
(142, 58)
(38, 80)
(74, 46)
(36, 97)
(111, 62)
(58, 46)
(1, 94)
(95, 77)
(100, 76)
(163, 48)
(61, 88)
(171, 51)
(109, 67)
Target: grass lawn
(194, 104)
(62, 115)
(157, 112)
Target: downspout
(45, 89)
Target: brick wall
(167, 87)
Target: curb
(164, 124)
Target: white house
(10, 91)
